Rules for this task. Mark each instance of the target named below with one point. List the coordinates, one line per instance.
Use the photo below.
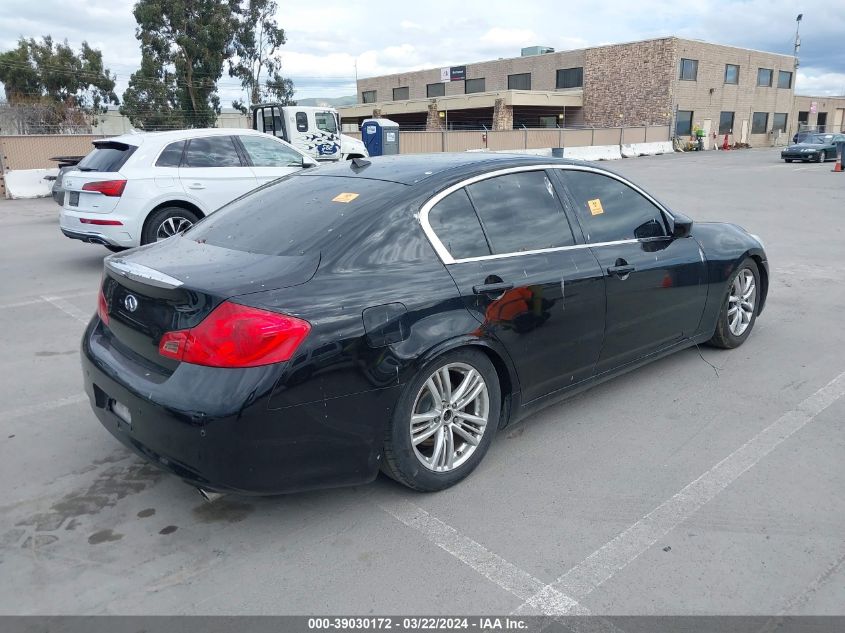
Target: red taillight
(234, 335)
(100, 222)
(103, 308)
(111, 188)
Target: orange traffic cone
(838, 166)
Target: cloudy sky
(326, 39)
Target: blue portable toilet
(380, 136)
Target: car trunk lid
(174, 285)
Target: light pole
(797, 38)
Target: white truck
(312, 130)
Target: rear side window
(212, 151)
(171, 156)
(265, 152)
(454, 222)
(610, 210)
(521, 212)
(296, 215)
(106, 156)
(301, 122)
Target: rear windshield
(295, 215)
(107, 156)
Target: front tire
(787, 160)
(167, 222)
(739, 307)
(444, 422)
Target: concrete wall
(521, 140)
(709, 95)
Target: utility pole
(797, 38)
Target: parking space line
(68, 308)
(41, 407)
(547, 599)
(32, 302)
(617, 554)
(817, 583)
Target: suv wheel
(167, 222)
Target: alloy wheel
(449, 417)
(171, 226)
(741, 301)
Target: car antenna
(360, 163)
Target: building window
(570, 77)
(368, 96)
(784, 79)
(803, 117)
(726, 123)
(764, 77)
(731, 74)
(779, 121)
(689, 69)
(683, 123)
(474, 85)
(759, 122)
(400, 94)
(519, 82)
(435, 90)
(821, 122)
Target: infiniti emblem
(130, 303)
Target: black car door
(655, 284)
(508, 245)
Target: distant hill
(333, 103)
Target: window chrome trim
(447, 258)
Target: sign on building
(814, 107)
(454, 73)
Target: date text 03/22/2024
(417, 623)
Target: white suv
(140, 188)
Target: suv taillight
(111, 188)
(234, 335)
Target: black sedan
(394, 314)
(815, 147)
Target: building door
(821, 121)
(743, 138)
(838, 120)
(706, 125)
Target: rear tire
(446, 446)
(740, 296)
(166, 222)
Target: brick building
(745, 93)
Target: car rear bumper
(125, 235)
(230, 441)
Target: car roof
(409, 169)
(169, 136)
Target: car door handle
(196, 185)
(492, 289)
(620, 271)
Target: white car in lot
(140, 188)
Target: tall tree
(58, 85)
(256, 63)
(183, 46)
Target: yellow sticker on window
(595, 206)
(345, 197)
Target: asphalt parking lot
(706, 483)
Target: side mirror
(307, 162)
(681, 225)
